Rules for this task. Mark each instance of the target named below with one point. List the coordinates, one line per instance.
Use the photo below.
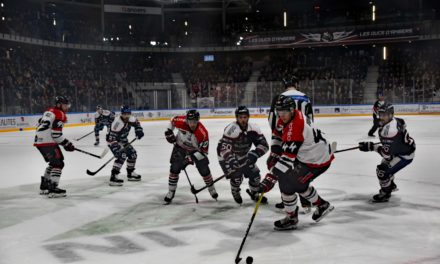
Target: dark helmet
(193, 115)
(386, 108)
(284, 103)
(98, 107)
(125, 109)
(290, 80)
(61, 100)
(241, 110)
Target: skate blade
(306, 210)
(115, 184)
(128, 179)
(294, 227)
(329, 209)
(44, 192)
(378, 202)
(56, 195)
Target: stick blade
(237, 260)
(91, 173)
(104, 153)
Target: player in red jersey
(48, 137)
(190, 146)
(302, 154)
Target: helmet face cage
(241, 110)
(284, 103)
(192, 115)
(386, 113)
(125, 110)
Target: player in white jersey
(102, 118)
(303, 104)
(397, 149)
(236, 157)
(48, 137)
(303, 155)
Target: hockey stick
(192, 186)
(342, 150)
(237, 258)
(91, 173)
(196, 191)
(93, 155)
(78, 139)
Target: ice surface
(97, 223)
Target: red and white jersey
(299, 140)
(49, 131)
(197, 140)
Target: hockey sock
(172, 181)
(55, 175)
(208, 180)
(289, 202)
(310, 194)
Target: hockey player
(397, 150)
(102, 118)
(118, 144)
(303, 155)
(303, 104)
(191, 146)
(236, 157)
(380, 101)
(48, 137)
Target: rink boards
(28, 122)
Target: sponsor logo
(86, 120)
(7, 122)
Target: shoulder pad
(117, 125)
(232, 130)
(132, 119)
(254, 127)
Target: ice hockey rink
(97, 223)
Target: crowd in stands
(31, 76)
(331, 75)
(411, 73)
(224, 79)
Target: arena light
(54, 22)
(246, 18)
(285, 18)
(3, 18)
(241, 38)
(129, 27)
(153, 43)
(238, 43)
(2, 5)
(373, 13)
(186, 23)
(186, 33)
(384, 52)
(117, 38)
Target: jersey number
(317, 136)
(44, 125)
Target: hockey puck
(249, 260)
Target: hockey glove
(68, 146)
(366, 146)
(232, 165)
(139, 133)
(268, 183)
(169, 135)
(272, 160)
(188, 160)
(252, 157)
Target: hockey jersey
(107, 117)
(302, 102)
(299, 140)
(197, 140)
(119, 130)
(396, 140)
(49, 131)
(238, 142)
